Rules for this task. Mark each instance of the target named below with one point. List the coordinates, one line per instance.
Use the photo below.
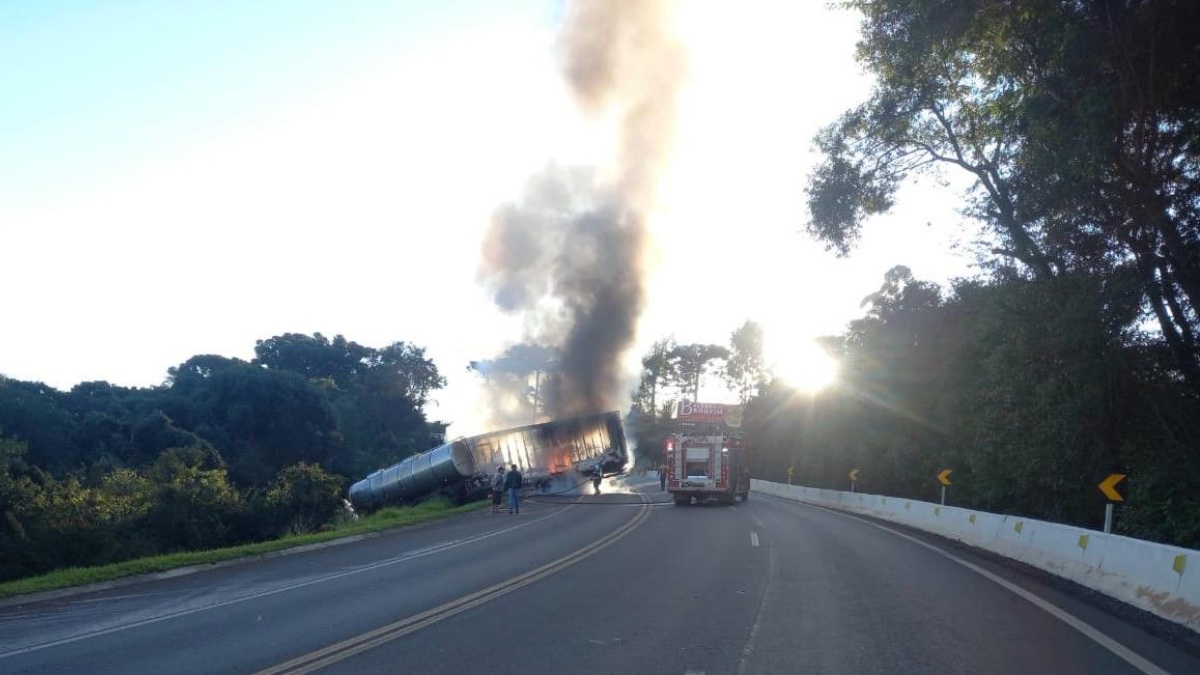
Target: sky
(187, 178)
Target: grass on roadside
(384, 519)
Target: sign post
(853, 479)
(791, 472)
(944, 479)
(1109, 487)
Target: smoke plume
(569, 254)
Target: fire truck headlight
(724, 449)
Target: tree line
(224, 452)
(1074, 354)
(1032, 391)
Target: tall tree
(402, 370)
(261, 420)
(691, 362)
(315, 357)
(1076, 122)
(657, 373)
(744, 368)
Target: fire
(560, 461)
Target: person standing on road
(497, 488)
(512, 484)
(662, 478)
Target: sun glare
(803, 365)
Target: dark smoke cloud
(569, 254)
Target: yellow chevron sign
(1109, 487)
(854, 475)
(944, 476)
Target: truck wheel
(745, 496)
(681, 500)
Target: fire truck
(706, 454)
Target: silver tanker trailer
(461, 469)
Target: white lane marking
(754, 539)
(1128, 655)
(112, 597)
(744, 663)
(437, 548)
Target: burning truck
(590, 445)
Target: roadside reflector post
(853, 479)
(943, 495)
(1108, 510)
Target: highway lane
(246, 617)
(763, 587)
(772, 587)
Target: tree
(1075, 121)
(521, 380)
(314, 357)
(303, 497)
(401, 370)
(261, 420)
(32, 412)
(196, 507)
(657, 372)
(691, 362)
(16, 491)
(744, 370)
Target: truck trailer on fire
(460, 469)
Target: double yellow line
(345, 649)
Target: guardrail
(1161, 579)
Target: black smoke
(569, 254)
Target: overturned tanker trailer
(461, 469)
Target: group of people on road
(506, 483)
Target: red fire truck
(706, 455)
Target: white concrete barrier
(1161, 579)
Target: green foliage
(1032, 391)
(75, 576)
(304, 497)
(658, 372)
(744, 369)
(373, 395)
(225, 452)
(691, 362)
(1075, 122)
(261, 419)
(314, 358)
(32, 412)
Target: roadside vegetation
(384, 519)
(224, 453)
(1075, 352)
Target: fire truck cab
(706, 456)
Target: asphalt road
(608, 585)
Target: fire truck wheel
(682, 500)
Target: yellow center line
(334, 653)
